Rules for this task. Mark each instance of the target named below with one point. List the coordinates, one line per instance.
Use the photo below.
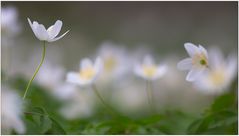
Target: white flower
(47, 35)
(149, 70)
(130, 97)
(50, 76)
(115, 59)
(219, 76)
(80, 105)
(87, 74)
(55, 83)
(197, 62)
(64, 91)
(11, 111)
(9, 23)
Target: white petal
(73, 77)
(138, 70)
(41, 33)
(98, 64)
(55, 29)
(148, 60)
(185, 64)
(58, 38)
(30, 23)
(194, 74)
(19, 126)
(33, 25)
(232, 66)
(85, 63)
(203, 50)
(216, 58)
(161, 71)
(191, 49)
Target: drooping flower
(149, 70)
(49, 34)
(196, 63)
(11, 111)
(219, 76)
(87, 74)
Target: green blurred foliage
(41, 117)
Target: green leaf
(55, 128)
(39, 118)
(223, 102)
(204, 125)
(193, 127)
(150, 120)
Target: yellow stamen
(217, 77)
(87, 73)
(109, 64)
(149, 71)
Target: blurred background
(136, 28)
(163, 27)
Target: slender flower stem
(7, 62)
(102, 100)
(150, 95)
(35, 73)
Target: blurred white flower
(64, 91)
(9, 21)
(11, 111)
(50, 76)
(173, 92)
(149, 70)
(197, 62)
(87, 74)
(130, 97)
(219, 76)
(80, 105)
(55, 83)
(115, 59)
(47, 35)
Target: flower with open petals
(222, 71)
(197, 62)
(149, 70)
(49, 34)
(87, 74)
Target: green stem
(102, 100)
(34, 113)
(35, 73)
(150, 95)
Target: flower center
(200, 60)
(217, 77)
(203, 62)
(109, 64)
(149, 71)
(87, 73)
